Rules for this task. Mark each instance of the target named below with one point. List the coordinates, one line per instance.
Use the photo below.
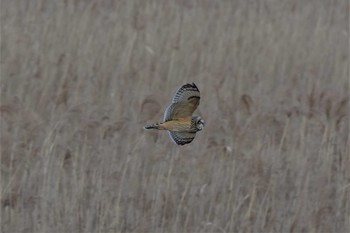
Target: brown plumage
(178, 119)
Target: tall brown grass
(80, 78)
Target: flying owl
(178, 120)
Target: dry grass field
(79, 80)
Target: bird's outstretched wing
(181, 138)
(185, 101)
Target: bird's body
(178, 125)
(178, 119)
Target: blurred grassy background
(79, 79)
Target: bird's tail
(154, 126)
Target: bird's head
(198, 122)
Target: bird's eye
(200, 124)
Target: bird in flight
(178, 120)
